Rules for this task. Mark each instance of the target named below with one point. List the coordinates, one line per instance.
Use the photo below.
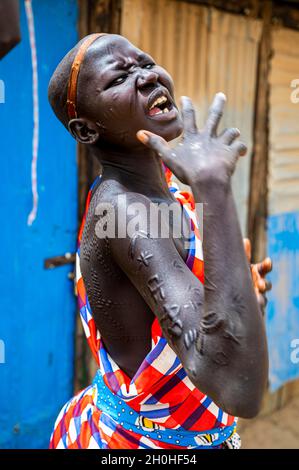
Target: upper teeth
(158, 101)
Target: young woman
(180, 353)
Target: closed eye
(122, 78)
(148, 66)
(118, 80)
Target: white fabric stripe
(78, 270)
(147, 442)
(224, 419)
(35, 139)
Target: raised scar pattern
(190, 337)
(155, 285)
(171, 313)
(178, 265)
(221, 359)
(199, 295)
(200, 343)
(211, 323)
(230, 336)
(176, 329)
(143, 258)
(132, 246)
(190, 305)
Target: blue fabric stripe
(120, 417)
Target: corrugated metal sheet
(205, 51)
(284, 124)
(283, 198)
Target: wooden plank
(258, 197)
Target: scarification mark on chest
(99, 303)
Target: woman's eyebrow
(123, 64)
(142, 56)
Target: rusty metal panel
(205, 50)
(284, 124)
(283, 203)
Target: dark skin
(217, 329)
(9, 26)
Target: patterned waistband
(116, 412)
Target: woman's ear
(84, 131)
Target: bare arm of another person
(9, 26)
(217, 329)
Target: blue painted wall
(283, 307)
(38, 307)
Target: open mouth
(160, 105)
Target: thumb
(156, 143)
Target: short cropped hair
(57, 89)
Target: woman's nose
(147, 77)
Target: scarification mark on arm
(211, 322)
(190, 337)
(155, 285)
(134, 238)
(144, 258)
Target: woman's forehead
(109, 54)
(114, 50)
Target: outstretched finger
(264, 267)
(188, 115)
(229, 135)
(215, 113)
(156, 143)
(264, 285)
(247, 248)
(239, 148)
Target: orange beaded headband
(73, 80)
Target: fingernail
(142, 136)
(262, 285)
(268, 263)
(220, 94)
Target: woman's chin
(168, 130)
(171, 134)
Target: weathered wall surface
(206, 51)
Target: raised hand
(258, 273)
(202, 155)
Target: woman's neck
(139, 170)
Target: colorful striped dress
(159, 408)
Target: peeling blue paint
(38, 307)
(283, 307)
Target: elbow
(248, 409)
(242, 401)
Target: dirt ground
(280, 430)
